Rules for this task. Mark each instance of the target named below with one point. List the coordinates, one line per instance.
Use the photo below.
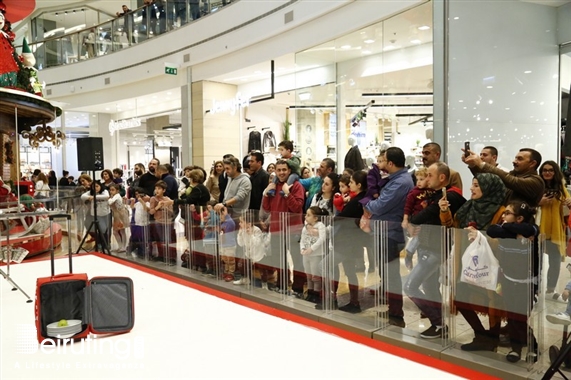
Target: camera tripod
(100, 238)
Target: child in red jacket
(344, 195)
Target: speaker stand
(100, 238)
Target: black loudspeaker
(90, 153)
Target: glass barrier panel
(105, 38)
(138, 248)
(251, 248)
(550, 317)
(270, 268)
(122, 32)
(163, 235)
(392, 264)
(351, 287)
(307, 249)
(227, 233)
(425, 309)
(120, 212)
(494, 290)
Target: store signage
(230, 105)
(170, 70)
(123, 124)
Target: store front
(372, 87)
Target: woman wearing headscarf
(484, 208)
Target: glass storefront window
(368, 90)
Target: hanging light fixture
(44, 134)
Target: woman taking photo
(551, 221)
(484, 208)
(212, 183)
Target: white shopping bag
(479, 265)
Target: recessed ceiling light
(346, 47)
(489, 86)
(106, 108)
(389, 47)
(169, 93)
(366, 52)
(424, 27)
(415, 41)
(369, 41)
(527, 72)
(456, 18)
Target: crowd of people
(330, 222)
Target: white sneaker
(555, 297)
(265, 285)
(242, 281)
(561, 318)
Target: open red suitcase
(104, 305)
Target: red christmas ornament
(16, 10)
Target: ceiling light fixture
(424, 27)
(303, 96)
(369, 41)
(396, 94)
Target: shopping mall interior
(188, 85)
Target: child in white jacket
(312, 246)
(120, 216)
(255, 244)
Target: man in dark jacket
(259, 179)
(147, 181)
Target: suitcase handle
(52, 259)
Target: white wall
(492, 100)
(564, 24)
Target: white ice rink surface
(183, 333)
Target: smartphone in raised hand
(466, 148)
(444, 193)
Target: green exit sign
(170, 70)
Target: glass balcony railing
(470, 295)
(123, 32)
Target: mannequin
(353, 159)
(409, 162)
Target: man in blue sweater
(389, 207)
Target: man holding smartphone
(522, 183)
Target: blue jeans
(425, 274)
